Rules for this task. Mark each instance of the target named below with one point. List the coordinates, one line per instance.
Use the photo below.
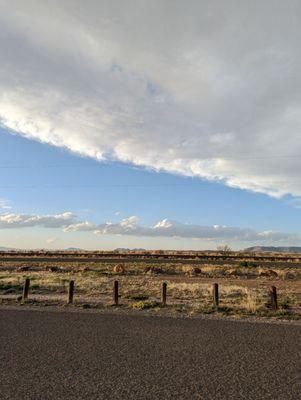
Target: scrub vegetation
(243, 284)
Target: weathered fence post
(26, 289)
(215, 294)
(273, 295)
(115, 293)
(164, 293)
(70, 292)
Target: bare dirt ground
(243, 285)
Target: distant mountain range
(2, 248)
(254, 249)
(274, 249)
(74, 249)
(5, 248)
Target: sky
(150, 124)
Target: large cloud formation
(11, 220)
(131, 227)
(206, 88)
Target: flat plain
(244, 280)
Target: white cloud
(46, 221)
(173, 229)
(52, 240)
(84, 226)
(130, 226)
(163, 224)
(4, 205)
(295, 202)
(206, 88)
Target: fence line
(272, 294)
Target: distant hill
(274, 249)
(74, 249)
(6, 248)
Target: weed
(225, 310)
(11, 287)
(251, 303)
(85, 306)
(286, 314)
(207, 309)
(143, 305)
(286, 303)
(138, 296)
(243, 264)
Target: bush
(119, 269)
(154, 270)
(11, 287)
(243, 264)
(286, 303)
(143, 305)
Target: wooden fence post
(273, 295)
(70, 292)
(115, 293)
(26, 289)
(164, 293)
(215, 294)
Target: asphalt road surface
(77, 355)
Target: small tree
(225, 249)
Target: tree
(225, 249)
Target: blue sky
(150, 124)
(42, 179)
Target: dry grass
(243, 290)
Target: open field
(152, 256)
(244, 281)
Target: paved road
(75, 355)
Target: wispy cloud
(295, 202)
(52, 240)
(207, 89)
(4, 205)
(131, 226)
